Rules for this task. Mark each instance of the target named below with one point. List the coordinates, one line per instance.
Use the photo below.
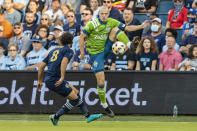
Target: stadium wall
(127, 92)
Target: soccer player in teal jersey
(100, 34)
(57, 61)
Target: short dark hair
(2, 45)
(130, 9)
(89, 9)
(173, 31)
(66, 38)
(56, 0)
(18, 23)
(42, 26)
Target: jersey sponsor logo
(95, 64)
(100, 37)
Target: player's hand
(81, 56)
(59, 82)
(145, 23)
(39, 86)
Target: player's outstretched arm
(136, 27)
(81, 45)
(64, 64)
(41, 75)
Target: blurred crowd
(28, 28)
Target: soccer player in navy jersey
(57, 61)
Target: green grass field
(11, 122)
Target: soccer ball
(118, 48)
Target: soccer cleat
(93, 117)
(53, 120)
(109, 112)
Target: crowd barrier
(130, 92)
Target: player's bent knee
(72, 95)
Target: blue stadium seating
(142, 16)
(179, 36)
(164, 6)
(163, 18)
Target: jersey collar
(101, 21)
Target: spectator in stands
(130, 20)
(30, 24)
(124, 62)
(47, 6)
(177, 16)
(58, 30)
(109, 60)
(12, 15)
(156, 33)
(43, 32)
(169, 32)
(75, 4)
(134, 44)
(45, 20)
(84, 64)
(189, 26)
(33, 7)
(55, 12)
(13, 61)
(94, 5)
(142, 6)
(21, 40)
(4, 40)
(188, 3)
(146, 54)
(194, 4)
(190, 63)
(87, 15)
(147, 29)
(170, 59)
(2, 56)
(72, 26)
(113, 13)
(190, 40)
(36, 56)
(65, 9)
(20, 4)
(8, 32)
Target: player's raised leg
(116, 33)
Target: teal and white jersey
(98, 33)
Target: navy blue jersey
(146, 60)
(54, 59)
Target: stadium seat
(179, 36)
(164, 6)
(163, 17)
(141, 16)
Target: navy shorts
(64, 89)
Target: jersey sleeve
(117, 23)
(46, 59)
(88, 28)
(68, 54)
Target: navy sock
(67, 107)
(83, 107)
